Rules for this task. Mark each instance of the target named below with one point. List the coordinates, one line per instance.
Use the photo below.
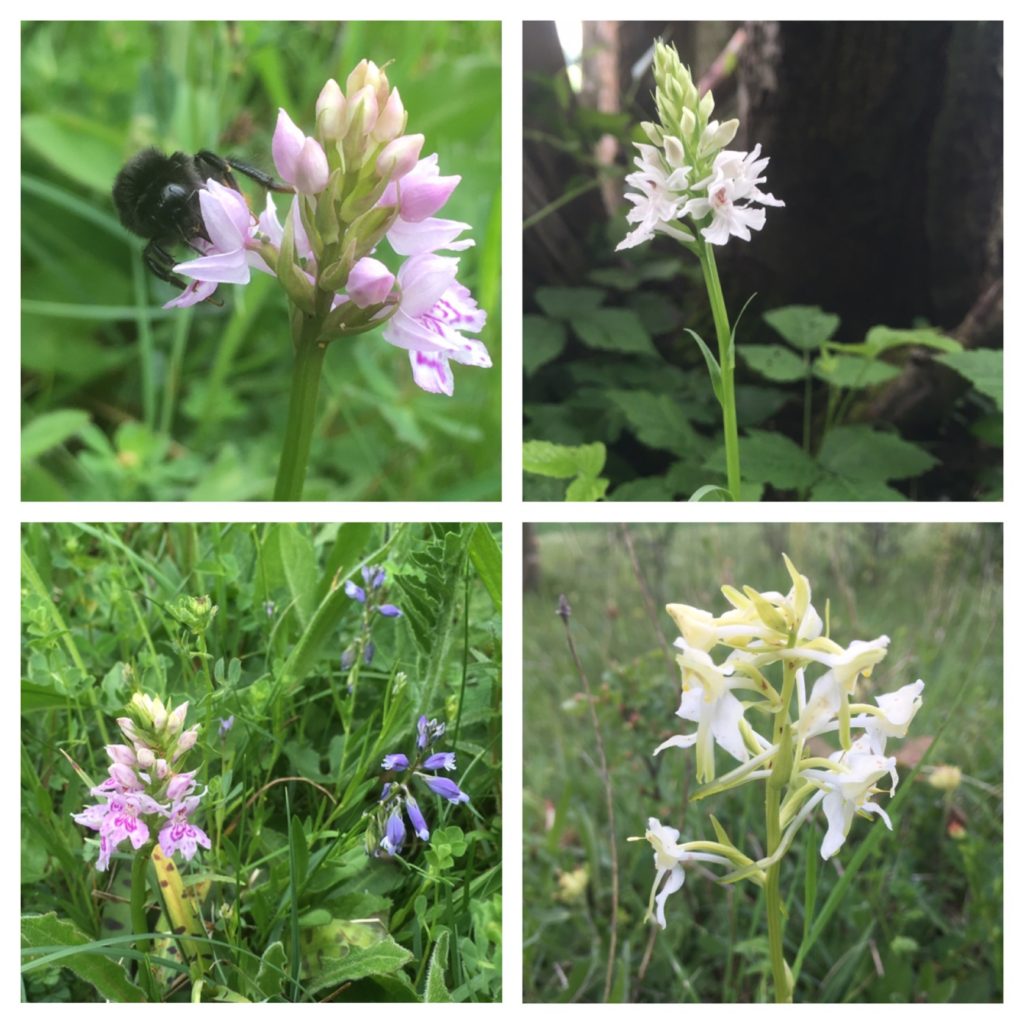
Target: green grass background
(922, 919)
(125, 401)
(290, 787)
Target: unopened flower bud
(391, 120)
(365, 74)
(330, 110)
(361, 113)
(121, 754)
(187, 740)
(127, 726)
(369, 283)
(161, 768)
(945, 777)
(674, 151)
(399, 157)
(176, 719)
(145, 756)
(123, 775)
(311, 170)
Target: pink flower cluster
(397, 195)
(143, 793)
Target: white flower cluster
(687, 172)
(763, 629)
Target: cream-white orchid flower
(897, 710)
(848, 789)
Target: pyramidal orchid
(358, 182)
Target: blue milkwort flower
(390, 611)
(225, 726)
(394, 835)
(368, 652)
(374, 579)
(396, 797)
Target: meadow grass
(920, 919)
(297, 903)
(123, 400)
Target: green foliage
(983, 368)
(296, 908)
(580, 463)
(804, 327)
(191, 404)
(927, 900)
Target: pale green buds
(653, 132)
(195, 613)
(366, 75)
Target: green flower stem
(309, 361)
(140, 865)
(777, 781)
(727, 364)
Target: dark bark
(886, 142)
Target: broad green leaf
(586, 488)
(776, 362)
(842, 371)
(298, 562)
(271, 976)
(568, 303)
(836, 488)
(39, 698)
(859, 453)
(613, 330)
(543, 340)
(982, 367)
(486, 556)
(383, 956)
(804, 327)
(436, 990)
(883, 339)
(755, 403)
(658, 420)
(770, 458)
(103, 972)
(563, 461)
(50, 430)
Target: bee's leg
(268, 181)
(210, 165)
(160, 264)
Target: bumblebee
(157, 198)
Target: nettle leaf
(569, 303)
(613, 330)
(563, 461)
(586, 488)
(543, 340)
(776, 362)
(982, 367)
(858, 453)
(837, 489)
(804, 327)
(436, 991)
(770, 458)
(883, 339)
(843, 371)
(658, 420)
(755, 403)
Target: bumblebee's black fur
(157, 197)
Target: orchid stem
(727, 364)
(773, 821)
(309, 361)
(140, 865)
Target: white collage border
(511, 511)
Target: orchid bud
(286, 146)
(161, 768)
(674, 151)
(121, 754)
(311, 170)
(176, 719)
(391, 120)
(127, 726)
(369, 283)
(399, 157)
(187, 740)
(330, 111)
(146, 757)
(361, 113)
(122, 774)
